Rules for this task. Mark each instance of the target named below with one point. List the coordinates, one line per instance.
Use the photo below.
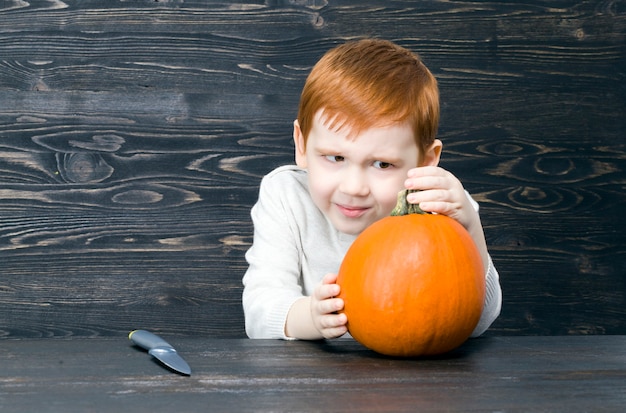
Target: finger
(333, 320)
(430, 195)
(331, 306)
(335, 323)
(429, 182)
(329, 278)
(334, 332)
(329, 325)
(443, 208)
(425, 171)
(328, 306)
(326, 291)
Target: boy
(366, 129)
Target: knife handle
(147, 340)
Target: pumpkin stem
(403, 207)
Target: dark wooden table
(497, 374)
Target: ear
(298, 140)
(433, 154)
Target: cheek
(321, 187)
(387, 195)
(390, 202)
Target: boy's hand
(324, 307)
(441, 192)
(315, 317)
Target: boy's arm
(476, 231)
(493, 301)
(271, 281)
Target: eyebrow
(324, 149)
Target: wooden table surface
(503, 374)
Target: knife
(160, 349)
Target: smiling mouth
(352, 212)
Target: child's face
(355, 180)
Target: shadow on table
(351, 346)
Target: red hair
(371, 83)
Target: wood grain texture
(133, 137)
(495, 374)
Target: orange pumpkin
(412, 285)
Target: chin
(351, 228)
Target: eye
(334, 158)
(382, 165)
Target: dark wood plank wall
(134, 134)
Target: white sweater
(294, 247)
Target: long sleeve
(294, 246)
(493, 301)
(271, 283)
(493, 292)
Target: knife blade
(160, 349)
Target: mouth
(352, 211)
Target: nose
(354, 182)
